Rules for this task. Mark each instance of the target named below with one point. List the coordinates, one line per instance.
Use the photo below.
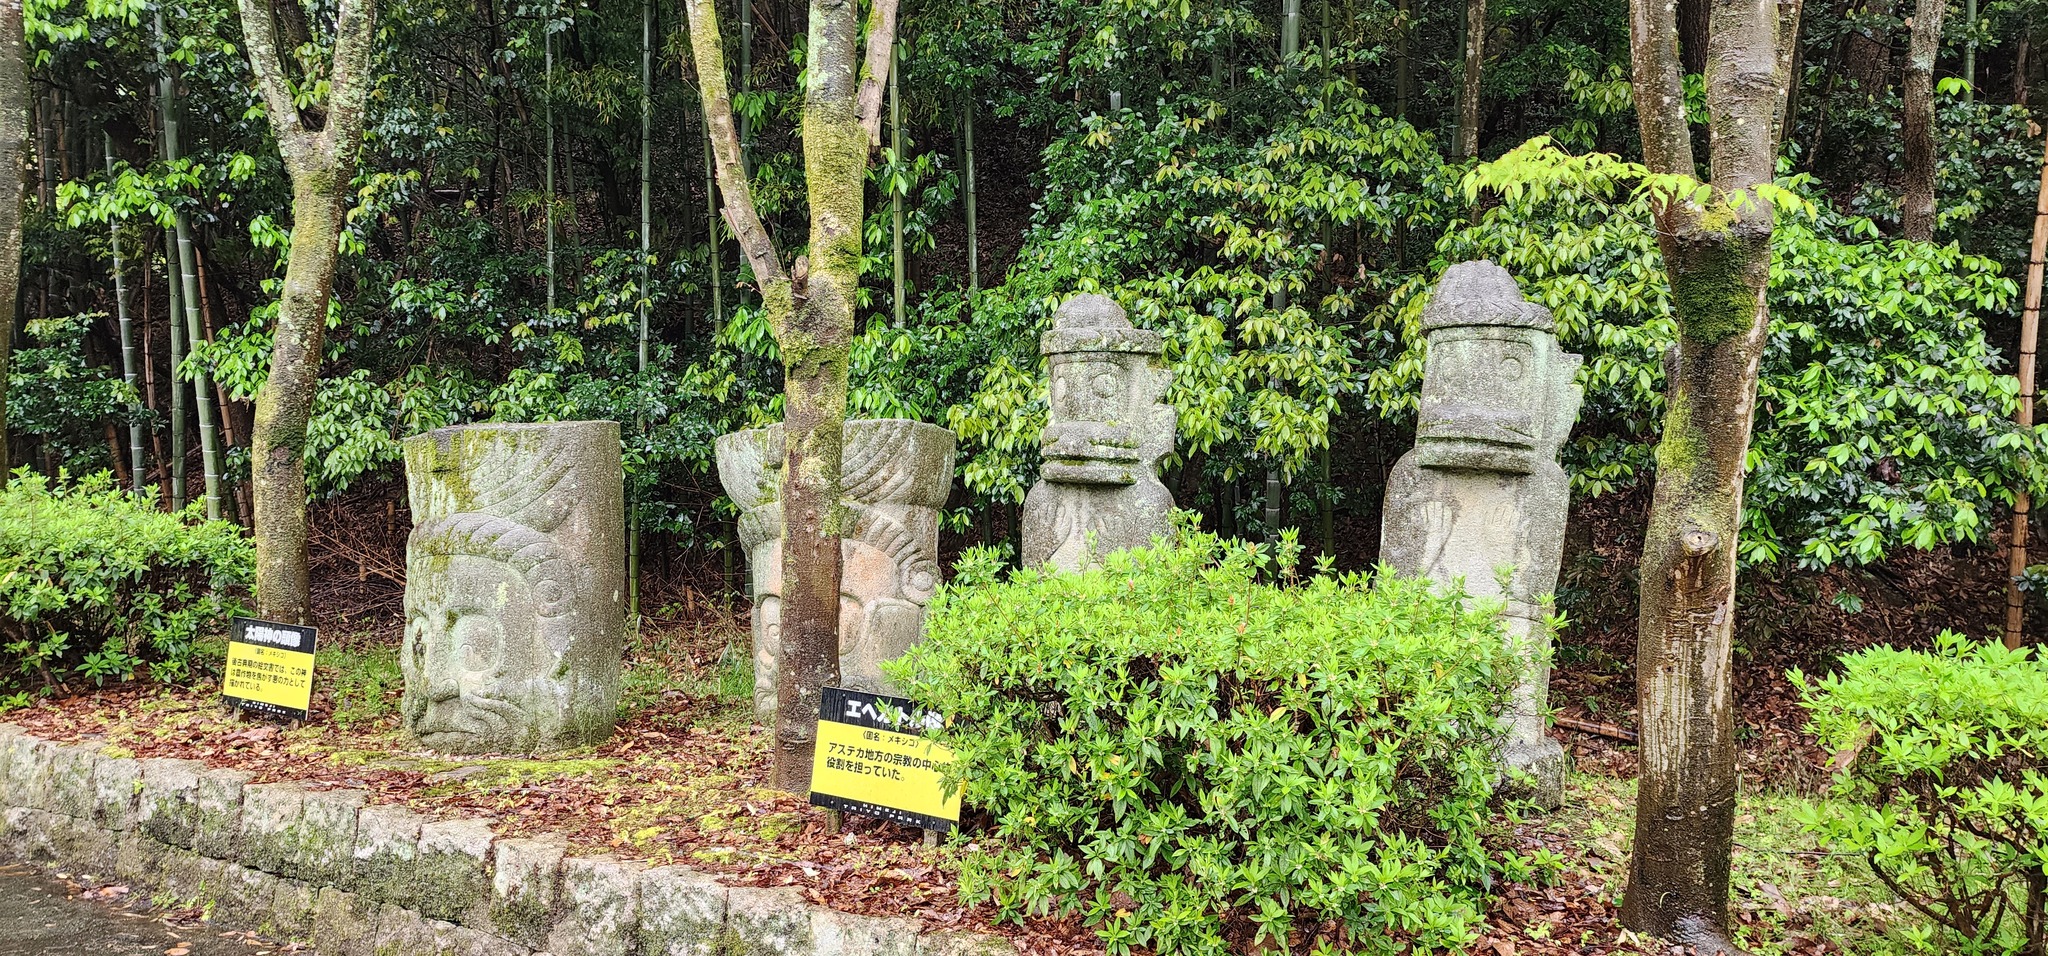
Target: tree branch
(259, 35)
(707, 48)
(355, 30)
(1659, 89)
(1789, 12)
(1743, 58)
(881, 44)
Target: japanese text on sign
(866, 764)
(270, 669)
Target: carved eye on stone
(551, 588)
(1510, 368)
(1105, 385)
(921, 579)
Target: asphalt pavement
(42, 915)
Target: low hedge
(1195, 760)
(97, 584)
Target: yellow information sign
(270, 668)
(871, 760)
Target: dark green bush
(1945, 783)
(96, 583)
(1192, 760)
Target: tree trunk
(1917, 215)
(1692, 35)
(810, 308)
(319, 155)
(277, 453)
(14, 98)
(1475, 64)
(1404, 70)
(1718, 259)
(1868, 59)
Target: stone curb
(356, 879)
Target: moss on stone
(525, 916)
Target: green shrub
(1944, 761)
(96, 583)
(1192, 760)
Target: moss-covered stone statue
(1099, 491)
(1481, 498)
(515, 587)
(897, 475)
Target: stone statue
(1099, 491)
(515, 587)
(897, 474)
(1481, 498)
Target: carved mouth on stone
(1476, 439)
(1091, 453)
(471, 724)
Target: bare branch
(707, 47)
(259, 35)
(881, 43)
(1659, 90)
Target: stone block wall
(357, 879)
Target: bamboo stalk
(1290, 30)
(646, 250)
(128, 358)
(175, 305)
(711, 232)
(2030, 330)
(202, 391)
(180, 252)
(746, 83)
(149, 397)
(1970, 51)
(967, 175)
(895, 192)
(548, 178)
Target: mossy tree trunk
(319, 146)
(810, 308)
(1718, 257)
(13, 140)
(1917, 214)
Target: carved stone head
(897, 474)
(1497, 390)
(515, 587)
(1108, 425)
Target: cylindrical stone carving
(515, 587)
(1481, 499)
(896, 475)
(1107, 428)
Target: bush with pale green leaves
(97, 584)
(1193, 757)
(1944, 787)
